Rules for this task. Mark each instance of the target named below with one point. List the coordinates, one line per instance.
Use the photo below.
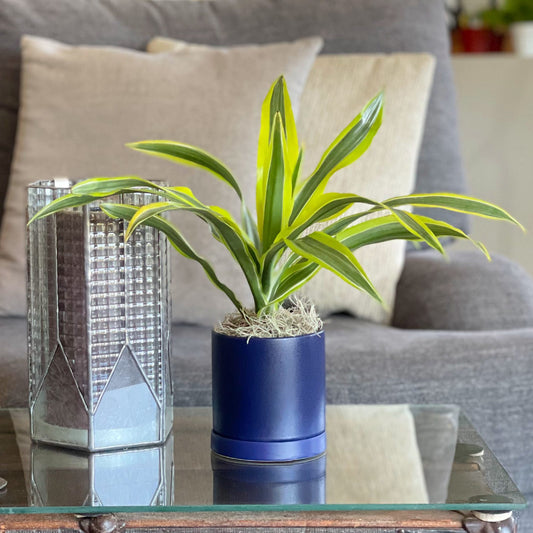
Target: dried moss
(300, 317)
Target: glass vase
(98, 326)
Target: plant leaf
(292, 279)
(94, 189)
(416, 225)
(101, 187)
(388, 228)
(269, 262)
(342, 223)
(64, 202)
(186, 154)
(147, 211)
(281, 103)
(329, 253)
(454, 202)
(176, 239)
(196, 157)
(238, 246)
(349, 145)
(278, 192)
(105, 187)
(326, 207)
(276, 102)
(250, 226)
(297, 271)
(296, 170)
(229, 233)
(183, 197)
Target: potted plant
(483, 31)
(268, 362)
(519, 14)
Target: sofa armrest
(464, 292)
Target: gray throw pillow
(463, 293)
(347, 26)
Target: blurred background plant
(492, 26)
(518, 10)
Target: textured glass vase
(98, 326)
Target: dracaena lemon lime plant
(276, 250)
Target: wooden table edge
(216, 519)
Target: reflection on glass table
(295, 483)
(386, 457)
(61, 477)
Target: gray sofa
(462, 330)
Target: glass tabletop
(379, 457)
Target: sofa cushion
(348, 26)
(80, 105)
(464, 292)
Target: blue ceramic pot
(269, 397)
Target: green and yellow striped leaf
(238, 246)
(100, 187)
(250, 226)
(298, 271)
(454, 202)
(148, 211)
(278, 187)
(176, 239)
(326, 207)
(281, 103)
(235, 242)
(416, 225)
(349, 145)
(296, 170)
(181, 194)
(186, 154)
(277, 102)
(269, 263)
(388, 228)
(344, 222)
(292, 279)
(105, 187)
(59, 204)
(329, 253)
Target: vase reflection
(241, 483)
(141, 476)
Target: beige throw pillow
(81, 104)
(337, 89)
